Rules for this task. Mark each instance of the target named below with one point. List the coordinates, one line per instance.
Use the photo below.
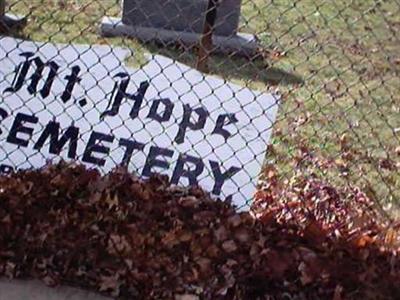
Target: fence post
(2, 8)
(9, 21)
(206, 40)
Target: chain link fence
(335, 64)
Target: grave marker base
(10, 21)
(241, 44)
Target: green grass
(346, 53)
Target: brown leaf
(234, 220)
(229, 246)
(315, 232)
(242, 235)
(338, 293)
(221, 233)
(363, 241)
(187, 297)
(110, 284)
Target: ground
(339, 76)
(36, 290)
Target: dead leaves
(137, 239)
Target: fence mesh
(335, 63)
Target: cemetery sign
(81, 103)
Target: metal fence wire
(335, 65)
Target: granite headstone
(181, 21)
(181, 15)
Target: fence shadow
(232, 67)
(227, 66)
(17, 33)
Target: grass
(339, 77)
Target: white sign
(82, 103)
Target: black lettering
(20, 73)
(191, 175)
(3, 115)
(166, 114)
(94, 147)
(40, 65)
(220, 177)
(187, 123)
(18, 127)
(73, 79)
(119, 93)
(222, 121)
(138, 98)
(130, 147)
(152, 160)
(36, 76)
(52, 131)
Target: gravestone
(181, 15)
(181, 21)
